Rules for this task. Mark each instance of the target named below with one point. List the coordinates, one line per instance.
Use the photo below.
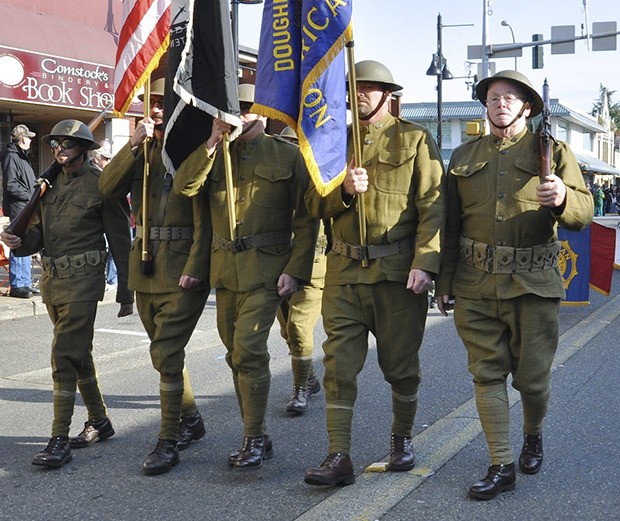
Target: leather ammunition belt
(373, 251)
(506, 259)
(251, 241)
(167, 233)
(67, 266)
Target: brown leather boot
(268, 451)
(531, 458)
(401, 453)
(162, 459)
(255, 449)
(298, 402)
(337, 469)
(499, 478)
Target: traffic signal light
(537, 52)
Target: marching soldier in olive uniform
(70, 224)
(401, 178)
(298, 314)
(270, 256)
(501, 263)
(172, 299)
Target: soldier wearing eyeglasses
(69, 228)
(500, 261)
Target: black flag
(201, 78)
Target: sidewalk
(15, 308)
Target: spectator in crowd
(18, 183)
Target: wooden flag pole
(146, 260)
(357, 145)
(230, 189)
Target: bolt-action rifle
(23, 220)
(544, 137)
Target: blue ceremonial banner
(301, 80)
(574, 263)
(278, 76)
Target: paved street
(578, 481)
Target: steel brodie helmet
(516, 77)
(375, 72)
(72, 128)
(158, 88)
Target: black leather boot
(191, 428)
(531, 458)
(255, 449)
(313, 385)
(337, 469)
(94, 431)
(298, 402)
(55, 455)
(499, 478)
(162, 459)
(401, 453)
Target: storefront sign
(50, 80)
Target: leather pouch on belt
(93, 258)
(539, 257)
(62, 263)
(504, 257)
(523, 259)
(480, 256)
(466, 249)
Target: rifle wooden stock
(23, 220)
(544, 137)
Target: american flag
(143, 40)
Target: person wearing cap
(171, 299)
(99, 159)
(500, 263)
(297, 315)
(69, 227)
(401, 179)
(270, 257)
(18, 183)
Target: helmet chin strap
(526, 106)
(76, 157)
(249, 127)
(384, 96)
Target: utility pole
(485, 39)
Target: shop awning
(34, 32)
(594, 165)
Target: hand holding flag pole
(357, 144)
(146, 260)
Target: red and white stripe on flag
(144, 38)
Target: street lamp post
(439, 68)
(506, 24)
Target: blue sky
(403, 35)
